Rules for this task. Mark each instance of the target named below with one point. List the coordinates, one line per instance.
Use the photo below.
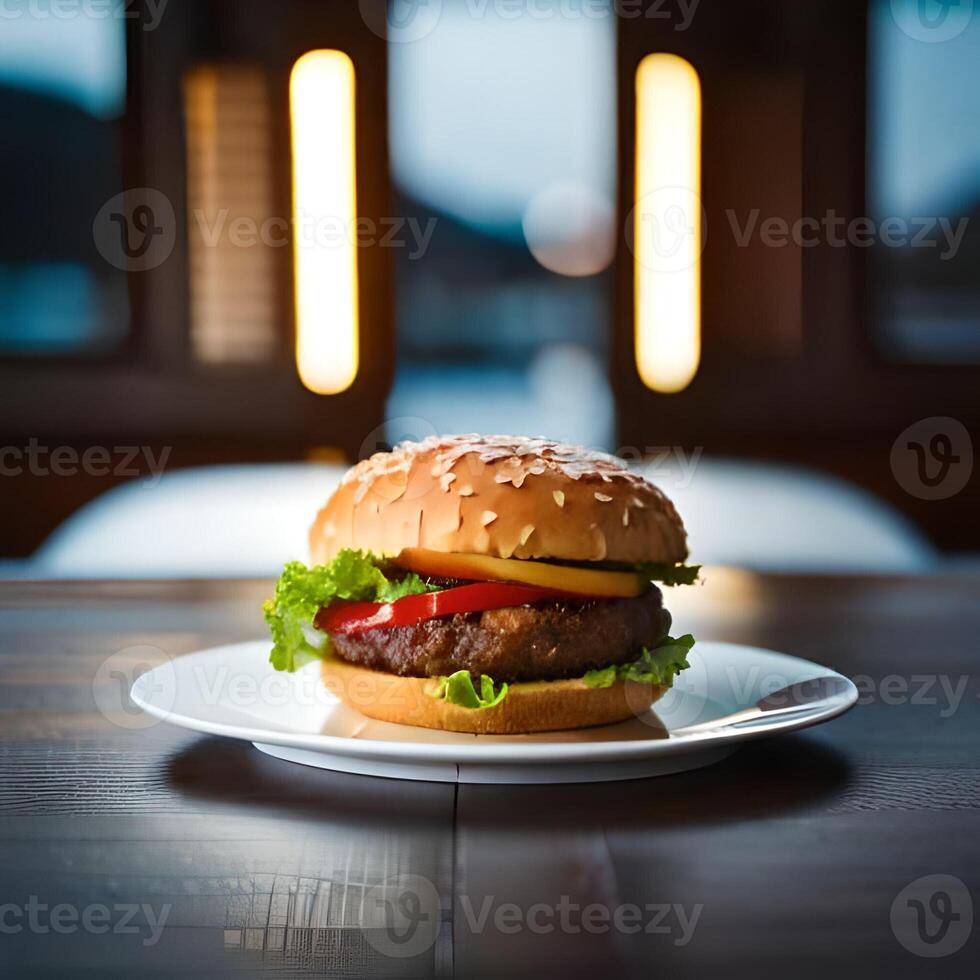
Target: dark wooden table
(136, 849)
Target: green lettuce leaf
(604, 677)
(669, 574)
(458, 689)
(657, 666)
(301, 591)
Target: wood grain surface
(788, 858)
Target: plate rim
(477, 752)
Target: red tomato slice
(358, 617)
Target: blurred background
(246, 243)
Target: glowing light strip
(321, 98)
(667, 237)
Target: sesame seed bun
(503, 496)
(538, 706)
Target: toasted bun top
(505, 496)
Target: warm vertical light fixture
(321, 99)
(233, 294)
(667, 233)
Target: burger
(490, 585)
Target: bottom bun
(536, 706)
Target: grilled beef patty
(546, 641)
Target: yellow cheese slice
(483, 568)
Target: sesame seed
(466, 491)
(601, 548)
(526, 532)
(603, 497)
(626, 518)
(487, 517)
(559, 497)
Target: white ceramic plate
(233, 691)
